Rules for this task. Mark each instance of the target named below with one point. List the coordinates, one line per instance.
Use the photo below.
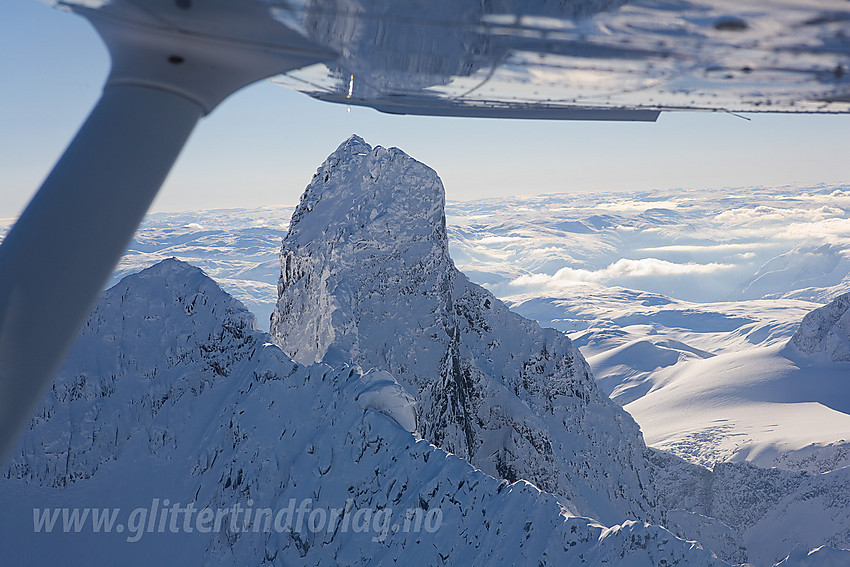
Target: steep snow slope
(769, 406)
(714, 382)
(767, 512)
(171, 398)
(366, 276)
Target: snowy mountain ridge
(201, 334)
(243, 424)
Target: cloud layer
(700, 246)
(621, 269)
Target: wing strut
(56, 260)
(59, 255)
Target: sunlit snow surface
(709, 381)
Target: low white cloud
(763, 215)
(628, 206)
(710, 248)
(728, 247)
(621, 269)
(500, 239)
(838, 193)
(655, 267)
(830, 231)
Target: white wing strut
(58, 257)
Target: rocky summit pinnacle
(366, 276)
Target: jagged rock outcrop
(826, 330)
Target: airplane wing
(577, 60)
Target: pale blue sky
(264, 143)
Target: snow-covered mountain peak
(826, 330)
(172, 393)
(357, 188)
(366, 277)
(150, 293)
(365, 207)
(153, 337)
